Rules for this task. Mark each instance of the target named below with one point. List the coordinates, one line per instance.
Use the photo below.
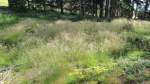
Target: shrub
(7, 20)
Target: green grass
(43, 51)
(7, 20)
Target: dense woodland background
(98, 8)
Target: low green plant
(7, 20)
(7, 57)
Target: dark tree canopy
(97, 8)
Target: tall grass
(65, 52)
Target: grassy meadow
(45, 51)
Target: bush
(7, 20)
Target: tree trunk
(61, 6)
(101, 8)
(81, 8)
(146, 7)
(107, 9)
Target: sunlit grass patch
(3, 2)
(6, 57)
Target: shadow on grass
(7, 18)
(52, 15)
